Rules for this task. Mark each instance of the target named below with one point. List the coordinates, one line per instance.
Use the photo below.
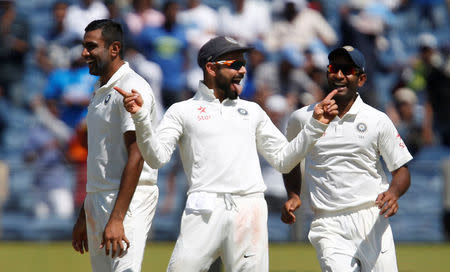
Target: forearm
(293, 182)
(298, 148)
(128, 184)
(151, 149)
(401, 180)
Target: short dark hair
(111, 32)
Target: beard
(96, 68)
(225, 86)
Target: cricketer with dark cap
(349, 192)
(219, 136)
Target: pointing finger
(331, 94)
(122, 92)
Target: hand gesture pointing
(131, 101)
(327, 109)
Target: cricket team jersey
(219, 142)
(343, 169)
(107, 121)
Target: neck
(115, 65)
(344, 106)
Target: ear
(114, 49)
(211, 69)
(362, 80)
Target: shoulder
(302, 114)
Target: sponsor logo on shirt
(107, 98)
(202, 115)
(401, 144)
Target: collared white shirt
(343, 169)
(219, 142)
(107, 121)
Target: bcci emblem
(242, 111)
(107, 98)
(361, 127)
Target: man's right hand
(291, 205)
(327, 109)
(131, 101)
(79, 235)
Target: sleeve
(157, 147)
(391, 145)
(281, 154)
(294, 126)
(146, 92)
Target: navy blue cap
(217, 47)
(355, 55)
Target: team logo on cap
(107, 98)
(231, 40)
(349, 48)
(242, 111)
(361, 127)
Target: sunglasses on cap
(346, 69)
(232, 64)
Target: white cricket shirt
(107, 121)
(219, 142)
(343, 168)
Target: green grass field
(18, 257)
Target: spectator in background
(53, 47)
(277, 109)
(247, 20)
(142, 15)
(200, 22)
(255, 58)
(45, 149)
(76, 155)
(83, 12)
(149, 70)
(300, 26)
(14, 44)
(408, 118)
(287, 77)
(71, 88)
(167, 46)
(365, 24)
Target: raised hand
(327, 109)
(131, 101)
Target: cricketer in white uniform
(348, 188)
(219, 136)
(113, 165)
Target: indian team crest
(242, 111)
(361, 127)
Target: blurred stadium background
(419, 227)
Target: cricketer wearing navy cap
(344, 176)
(217, 47)
(355, 55)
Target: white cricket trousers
(354, 240)
(137, 223)
(236, 230)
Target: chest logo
(202, 115)
(242, 111)
(108, 97)
(361, 127)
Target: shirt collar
(115, 77)
(357, 105)
(205, 93)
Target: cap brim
(242, 49)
